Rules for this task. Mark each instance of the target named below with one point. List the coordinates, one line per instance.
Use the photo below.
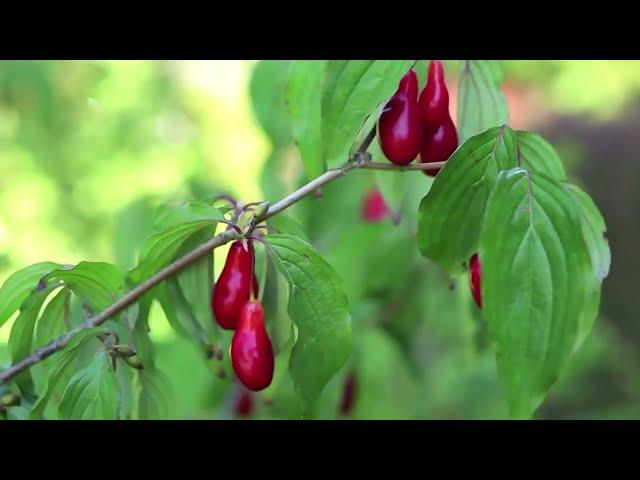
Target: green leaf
(536, 153)
(536, 271)
(21, 336)
(19, 285)
(161, 248)
(319, 308)
(141, 339)
(51, 323)
(594, 234)
(267, 89)
(481, 101)
(450, 215)
(64, 363)
(173, 215)
(196, 283)
(178, 313)
(352, 91)
(93, 392)
(155, 395)
(303, 95)
(285, 223)
(98, 284)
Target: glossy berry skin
(409, 84)
(251, 350)
(233, 288)
(374, 207)
(439, 145)
(243, 406)
(434, 99)
(348, 394)
(399, 125)
(474, 279)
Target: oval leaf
(535, 153)
(450, 215)
(99, 284)
(352, 91)
(93, 392)
(155, 395)
(535, 275)
(319, 308)
(594, 234)
(268, 82)
(64, 363)
(21, 336)
(161, 248)
(304, 94)
(19, 285)
(481, 101)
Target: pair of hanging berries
(235, 307)
(409, 125)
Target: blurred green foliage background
(88, 148)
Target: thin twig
(121, 304)
(389, 166)
(358, 161)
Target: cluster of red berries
(235, 308)
(409, 126)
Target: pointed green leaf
(196, 283)
(19, 285)
(267, 89)
(173, 215)
(481, 101)
(535, 153)
(303, 95)
(92, 393)
(51, 323)
(319, 308)
(64, 363)
(451, 214)
(155, 395)
(21, 336)
(98, 284)
(536, 271)
(161, 248)
(353, 90)
(594, 234)
(178, 313)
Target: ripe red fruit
(399, 125)
(232, 290)
(434, 99)
(243, 406)
(439, 145)
(251, 350)
(374, 207)
(348, 394)
(474, 279)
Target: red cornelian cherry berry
(399, 125)
(374, 207)
(474, 279)
(434, 99)
(233, 288)
(348, 394)
(243, 406)
(439, 145)
(251, 350)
